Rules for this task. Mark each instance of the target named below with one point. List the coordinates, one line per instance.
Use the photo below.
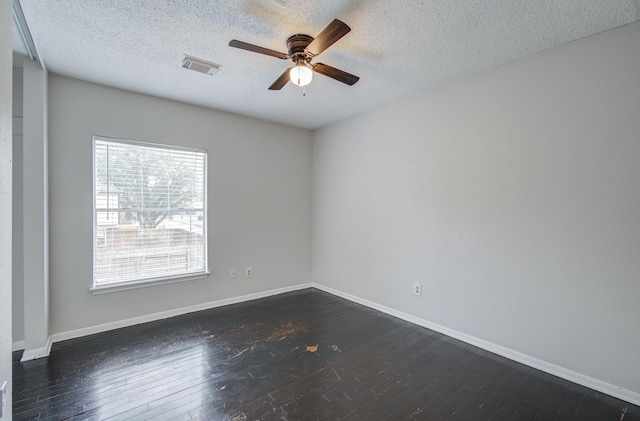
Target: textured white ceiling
(398, 48)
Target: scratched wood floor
(305, 355)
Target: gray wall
(512, 196)
(259, 199)
(18, 290)
(35, 211)
(5, 200)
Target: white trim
(17, 346)
(63, 336)
(134, 142)
(528, 360)
(123, 286)
(25, 32)
(34, 354)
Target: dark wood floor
(305, 355)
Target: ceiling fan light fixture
(302, 49)
(301, 75)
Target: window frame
(100, 288)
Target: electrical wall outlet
(417, 289)
(249, 272)
(233, 274)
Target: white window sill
(123, 286)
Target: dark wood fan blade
(336, 74)
(281, 81)
(254, 48)
(329, 35)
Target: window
(101, 237)
(149, 213)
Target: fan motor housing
(297, 45)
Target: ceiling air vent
(199, 65)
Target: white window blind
(149, 219)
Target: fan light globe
(301, 75)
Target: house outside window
(149, 213)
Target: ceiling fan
(302, 49)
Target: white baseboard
(35, 353)
(547, 367)
(17, 346)
(63, 336)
